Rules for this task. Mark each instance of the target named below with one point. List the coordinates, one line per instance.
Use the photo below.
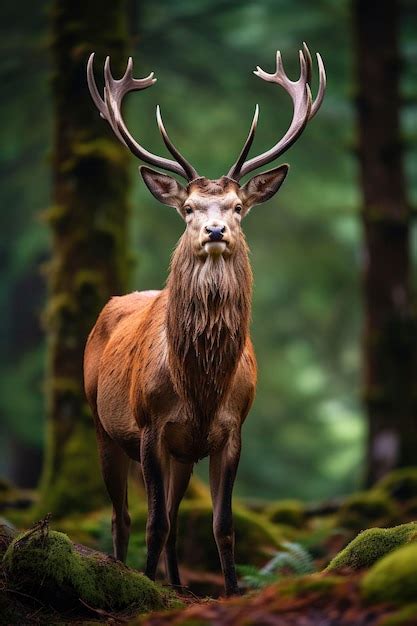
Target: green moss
(100, 148)
(77, 486)
(307, 584)
(371, 545)
(59, 309)
(365, 509)
(400, 484)
(393, 578)
(45, 563)
(288, 512)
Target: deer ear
(262, 187)
(165, 188)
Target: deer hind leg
(115, 468)
(223, 468)
(179, 477)
(155, 466)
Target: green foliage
(306, 305)
(304, 437)
(293, 560)
(305, 319)
(393, 578)
(46, 563)
(371, 545)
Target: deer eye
(188, 210)
(238, 208)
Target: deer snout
(215, 233)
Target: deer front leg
(223, 468)
(154, 468)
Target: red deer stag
(170, 375)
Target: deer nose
(215, 233)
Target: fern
(295, 560)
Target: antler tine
(110, 110)
(190, 171)
(322, 87)
(235, 169)
(309, 62)
(322, 79)
(304, 108)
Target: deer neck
(208, 316)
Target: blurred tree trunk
(389, 341)
(88, 221)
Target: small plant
(294, 560)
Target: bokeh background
(62, 172)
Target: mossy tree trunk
(389, 341)
(88, 221)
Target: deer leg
(223, 468)
(154, 469)
(179, 477)
(115, 467)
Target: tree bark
(389, 338)
(88, 221)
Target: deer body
(170, 375)
(136, 375)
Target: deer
(170, 375)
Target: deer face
(213, 209)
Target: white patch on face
(215, 248)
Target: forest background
(309, 434)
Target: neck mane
(209, 306)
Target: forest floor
(299, 565)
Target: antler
(304, 111)
(110, 110)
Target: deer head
(212, 209)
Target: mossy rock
(371, 545)
(401, 484)
(287, 512)
(317, 582)
(46, 565)
(255, 538)
(393, 578)
(367, 508)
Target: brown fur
(207, 327)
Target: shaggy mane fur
(208, 318)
